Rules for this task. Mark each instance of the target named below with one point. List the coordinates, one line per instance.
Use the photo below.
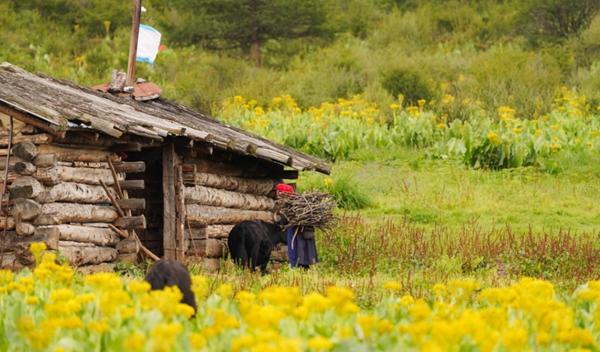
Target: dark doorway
(151, 237)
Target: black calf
(172, 273)
(251, 242)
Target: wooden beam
(132, 184)
(130, 166)
(131, 222)
(181, 214)
(169, 201)
(133, 43)
(28, 119)
(42, 138)
(132, 204)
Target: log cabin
(103, 177)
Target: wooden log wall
(220, 193)
(55, 196)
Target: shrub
(510, 76)
(408, 83)
(558, 19)
(345, 191)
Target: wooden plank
(132, 204)
(64, 213)
(77, 154)
(130, 166)
(258, 186)
(81, 254)
(209, 215)
(72, 192)
(169, 201)
(87, 234)
(26, 118)
(131, 222)
(211, 248)
(274, 155)
(42, 138)
(132, 185)
(228, 199)
(180, 208)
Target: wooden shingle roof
(63, 104)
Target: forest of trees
(500, 52)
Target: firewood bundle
(306, 209)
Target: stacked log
(57, 198)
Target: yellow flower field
(482, 139)
(53, 309)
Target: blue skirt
(302, 248)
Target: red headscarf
(284, 188)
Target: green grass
(405, 184)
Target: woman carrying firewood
(302, 248)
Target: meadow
(464, 139)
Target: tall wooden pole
(135, 31)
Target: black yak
(251, 242)
(167, 272)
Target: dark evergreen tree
(246, 24)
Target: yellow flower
(240, 342)
(406, 300)
(36, 249)
(134, 342)
(225, 290)
(320, 343)
(542, 338)
(506, 113)
(98, 326)
(421, 102)
(515, 338)
(6, 276)
(200, 286)
(413, 111)
(138, 286)
(447, 99)
(439, 290)
(384, 326)
(366, 323)
(494, 138)
(328, 181)
(238, 100)
(197, 340)
(393, 286)
(32, 300)
(395, 106)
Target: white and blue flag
(148, 44)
